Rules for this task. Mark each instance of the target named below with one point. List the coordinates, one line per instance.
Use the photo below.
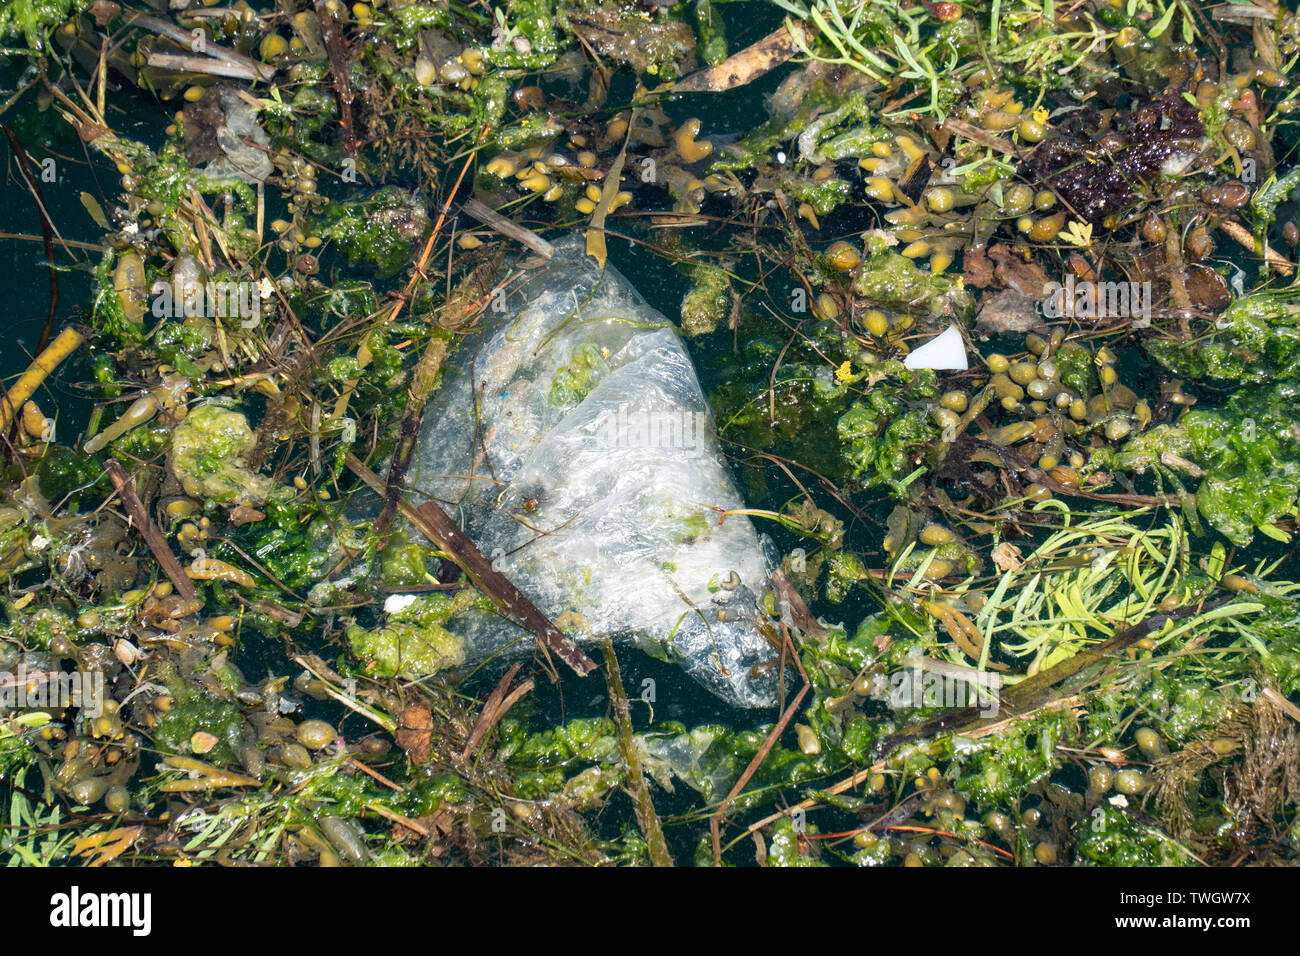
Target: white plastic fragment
(945, 352)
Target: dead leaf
(104, 11)
(1007, 311)
(977, 267)
(242, 514)
(1006, 556)
(415, 731)
(958, 127)
(748, 64)
(1016, 272)
(106, 847)
(799, 613)
(202, 742)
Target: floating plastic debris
(577, 448)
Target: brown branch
(436, 525)
(333, 38)
(437, 228)
(749, 64)
(251, 69)
(508, 228)
(417, 397)
(1244, 238)
(124, 485)
(206, 65)
(495, 707)
(376, 775)
(715, 821)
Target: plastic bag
(573, 443)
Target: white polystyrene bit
(946, 351)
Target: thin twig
(186, 39)
(47, 228)
(375, 774)
(637, 786)
(333, 38)
(124, 485)
(494, 708)
(1244, 238)
(715, 821)
(511, 230)
(184, 63)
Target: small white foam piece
(398, 602)
(945, 352)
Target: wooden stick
(395, 817)
(124, 485)
(494, 709)
(333, 38)
(376, 775)
(251, 67)
(749, 64)
(183, 63)
(423, 381)
(437, 228)
(488, 715)
(436, 525)
(715, 821)
(511, 230)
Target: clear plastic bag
(572, 442)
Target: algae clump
(414, 642)
(708, 301)
(207, 457)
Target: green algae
(414, 641)
(882, 434)
(381, 230)
(33, 20)
(825, 403)
(1255, 340)
(207, 457)
(574, 381)
(1111, 837)
(708, 302)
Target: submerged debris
(984, 304)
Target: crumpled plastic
(222, 130)
(572, 441)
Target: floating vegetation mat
(993, 306)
